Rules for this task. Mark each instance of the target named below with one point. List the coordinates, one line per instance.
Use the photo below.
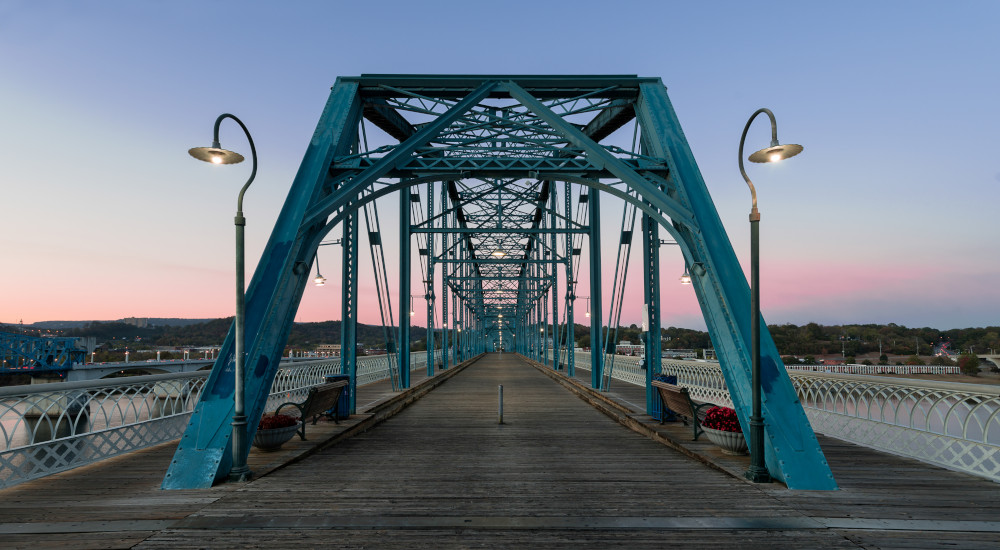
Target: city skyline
(887, 216)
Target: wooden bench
(678, 400)
(321, 401)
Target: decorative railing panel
(953, 425)
(949, 424)
(44, 431)
(51, 428)
(876, 369)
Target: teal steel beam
(554, 277)
(405, 300)
(429, 284)
(596, 313)
(349, 306)
(319, 212)
(202, 456)
(651, 294)
(570, 340)
(602, 157)
(792, 452)
(445, 247)
(501, 230)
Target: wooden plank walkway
(557, 474)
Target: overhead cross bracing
(499, 180)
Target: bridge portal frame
(500, 130)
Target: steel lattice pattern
(106, 419)
(955, 428)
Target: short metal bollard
(500, 402)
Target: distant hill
(154, 321)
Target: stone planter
(731, 443)
(272, 440)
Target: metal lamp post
(217, 155)
(757, 472)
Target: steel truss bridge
(499, 180)
(21, 353)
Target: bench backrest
(676, 398)
(322, 397)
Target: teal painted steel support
(596, 309)
(554, 277)
(429, 284)
(570, 286)
(792, 452)
(272, 298)
(651, 294)
(445, 249)
(405, 302)
(349, 306)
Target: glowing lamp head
(685, 279)
(412, 313)
(587, 315)
(499, 253)
(320, 280)
(215, 154)
(776, 153)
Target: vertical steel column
(404, 288)
(651, 294)
(349, 305)
(554, 277)
(596, 313)
(459, 306)
(570, 285)
(445, 268)
(429, 285)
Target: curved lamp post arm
(774, 143)
(253, 155)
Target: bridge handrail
(13, 391)
(49, 428)
(876, 369)
(951, 424)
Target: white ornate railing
(876, 369)
(55, 427)
(51, 428)
(949, 424)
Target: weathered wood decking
(557, 474)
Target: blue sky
(888, 216)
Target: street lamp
(757, 472)
(686, 277)
(217, 155)
(320, 280)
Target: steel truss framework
(23, 353)
(490, 169)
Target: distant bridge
(94, 371)
(33, 354)
(992, 358)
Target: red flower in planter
(273, 421)
(722, 418)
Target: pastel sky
(889, 215)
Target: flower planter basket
(273, 439)
(731, 443)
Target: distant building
(138, 322)
(328, 349)
(683, 353)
